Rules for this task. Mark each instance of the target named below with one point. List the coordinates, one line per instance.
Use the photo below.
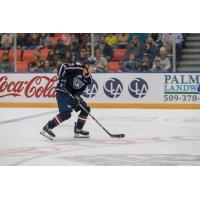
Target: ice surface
(153, 137)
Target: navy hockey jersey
(71, 75)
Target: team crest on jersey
(77, 83)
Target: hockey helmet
(90, 61)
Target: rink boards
(108, 90)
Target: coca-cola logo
(38, 86)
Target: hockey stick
(111, 135)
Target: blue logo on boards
(198, 89)
(91, 90)
(113, 88)
(138, 88)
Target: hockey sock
(58, 119)
(82, 118)
(81, 121)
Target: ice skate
(47, 132)
(79, 133)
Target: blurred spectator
(157, 38)
(151, 50)
(68, 57)
(60, 49)
(28, 41)
(34, 40)
(45, 40)
(88, 52)
(67, 39)
(136, 48)
(7, 41)
(167, 43)
(52, 34)
(53, 69)
(99, 41)
(165, 64)
(100, 45)
(38, 53)
(46, 66)
(131, 65)
(74, 39)
(99, 37)
(32, 67)
(111, 40)
(52, 58)
(108, 52)
(82, 55)
(41, 67)
(178, 37)
(144, 65)
(121, 66)
(85, 39)
(21, 40)
(122, 40)
(157, 66)
(75, 47)
(101, 62)
(5, 64)
(141, 36)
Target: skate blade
(45, 134)
(81, 136)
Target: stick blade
(119, 136)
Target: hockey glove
(77, 100)
(62, 84)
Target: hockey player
(74, 78)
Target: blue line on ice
(26, 117)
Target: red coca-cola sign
(38, 86)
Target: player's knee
(65, 115)
(86, 111)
